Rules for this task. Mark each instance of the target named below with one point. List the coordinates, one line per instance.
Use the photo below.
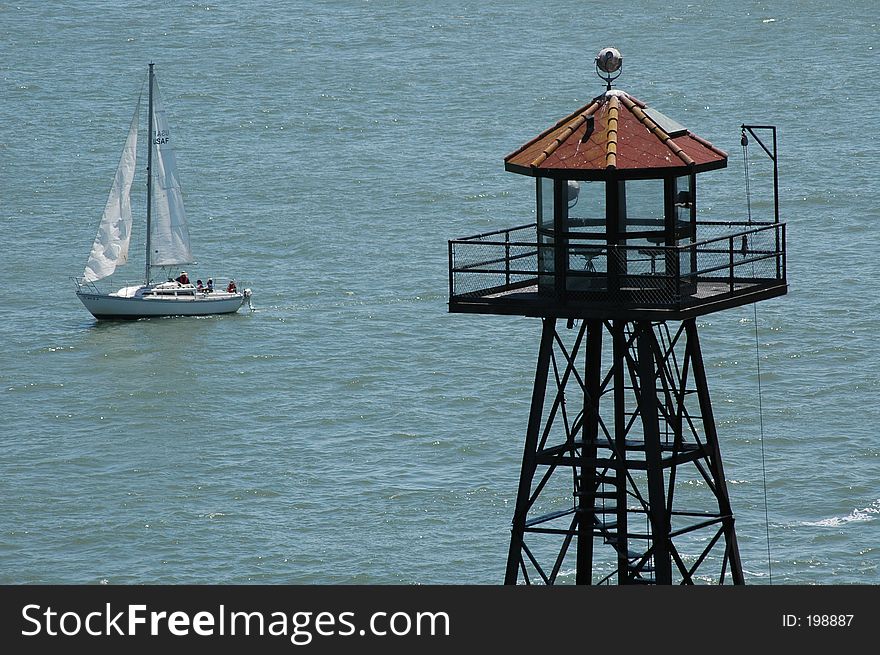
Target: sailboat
(167, 237)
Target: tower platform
(732, 264)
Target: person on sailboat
(210, 285)
(199, 286)
(182, 278)
(231, 287)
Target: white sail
(110, 248)
(169, 234)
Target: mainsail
(110, 248)
(169, 234)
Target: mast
(149, 174)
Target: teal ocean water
(350, 430)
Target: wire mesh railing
(719, 258)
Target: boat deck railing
(81, 285)
(220, 285)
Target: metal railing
(721, 258)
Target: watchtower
(621, 479)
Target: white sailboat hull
(111, 306)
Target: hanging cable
(744, 141)
(763, 457)
(745, 146)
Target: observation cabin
(618, 233)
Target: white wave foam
(857, 515)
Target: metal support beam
(657, 514)
(618, 335)
(587, 520)
(600, 487)
(715, 465)
(514, 556)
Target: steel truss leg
(610, 457)
(514, 556)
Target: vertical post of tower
(647, 400)
(716, 466)
(587, 475)
(514, 556)
(618, 368)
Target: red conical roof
(628, 139)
